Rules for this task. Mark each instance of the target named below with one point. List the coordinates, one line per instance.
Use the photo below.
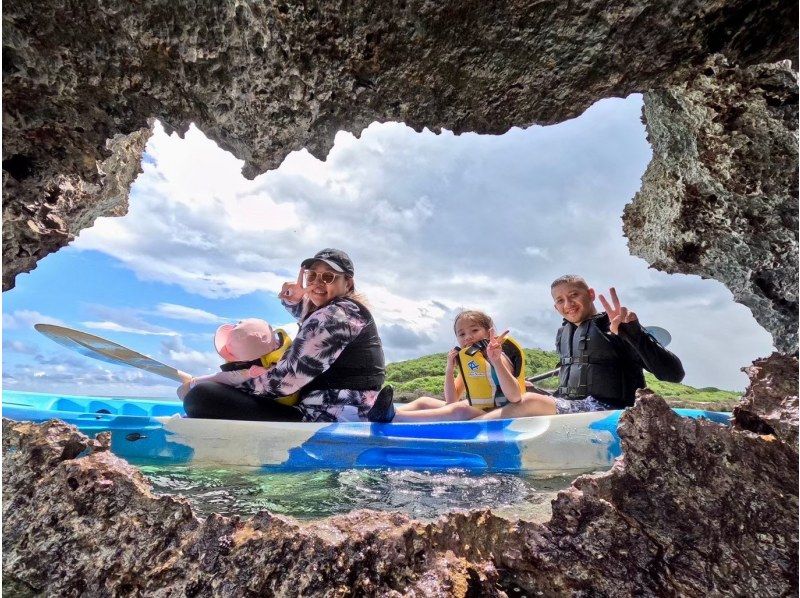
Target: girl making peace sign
(496, 365)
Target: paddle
(108, 351)
(660, 334)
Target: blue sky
(434, 223)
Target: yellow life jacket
(273, 357)
(480, 381)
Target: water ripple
(316, 494)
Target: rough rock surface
(719, 198)
(692, 508)
(770, 405)
(265, 78)
(44, 210)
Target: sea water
(316, 494)
(321, 493)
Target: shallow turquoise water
(321, 493)
(316, 494)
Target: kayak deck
(153, 430)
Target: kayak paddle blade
(660, 334)
(106, 350)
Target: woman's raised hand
(494, 350)
(293, 292)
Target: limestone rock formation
(719, 198)
(770, 405)
(265, 78)
(91, 526)
(692, 508)
(44, 210)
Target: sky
(434, 223)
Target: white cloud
(85, 377)
(194, 362)
(290, 328)
(433, 223)
(115, 327)
(19, 347)
(190, 314)
(23, 318)
(541, 252)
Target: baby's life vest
(480, 380)
(268, 361)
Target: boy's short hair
(569, 279)
(480, 318)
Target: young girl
(499, 369)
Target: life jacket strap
(584, 359)
(482, 403)
(579, 391)
(233, 366)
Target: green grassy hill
(425, 376)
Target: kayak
(158, 431)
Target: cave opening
(435, 222)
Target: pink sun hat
(245, 341)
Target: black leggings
(212, 400)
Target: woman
(335, 362)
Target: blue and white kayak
(147, 431)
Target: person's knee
(430, 403)
(465, 411)
(422, 403)
(536, 398)
(201, 399)
(533, 403)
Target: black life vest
(592, 364)
(360, 366)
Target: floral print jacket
(322, 337)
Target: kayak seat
(101, 407)
(67, 405)
(131, 409)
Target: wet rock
(263, 79)
(692, 508)
(719, 197)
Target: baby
(248, 348)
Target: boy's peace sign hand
(494, 350)
(617, 313)
(293, 292)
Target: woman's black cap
(335, 258)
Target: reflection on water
(315, 494)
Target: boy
(603, 354)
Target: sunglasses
(325, 277)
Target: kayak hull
(147, 431)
